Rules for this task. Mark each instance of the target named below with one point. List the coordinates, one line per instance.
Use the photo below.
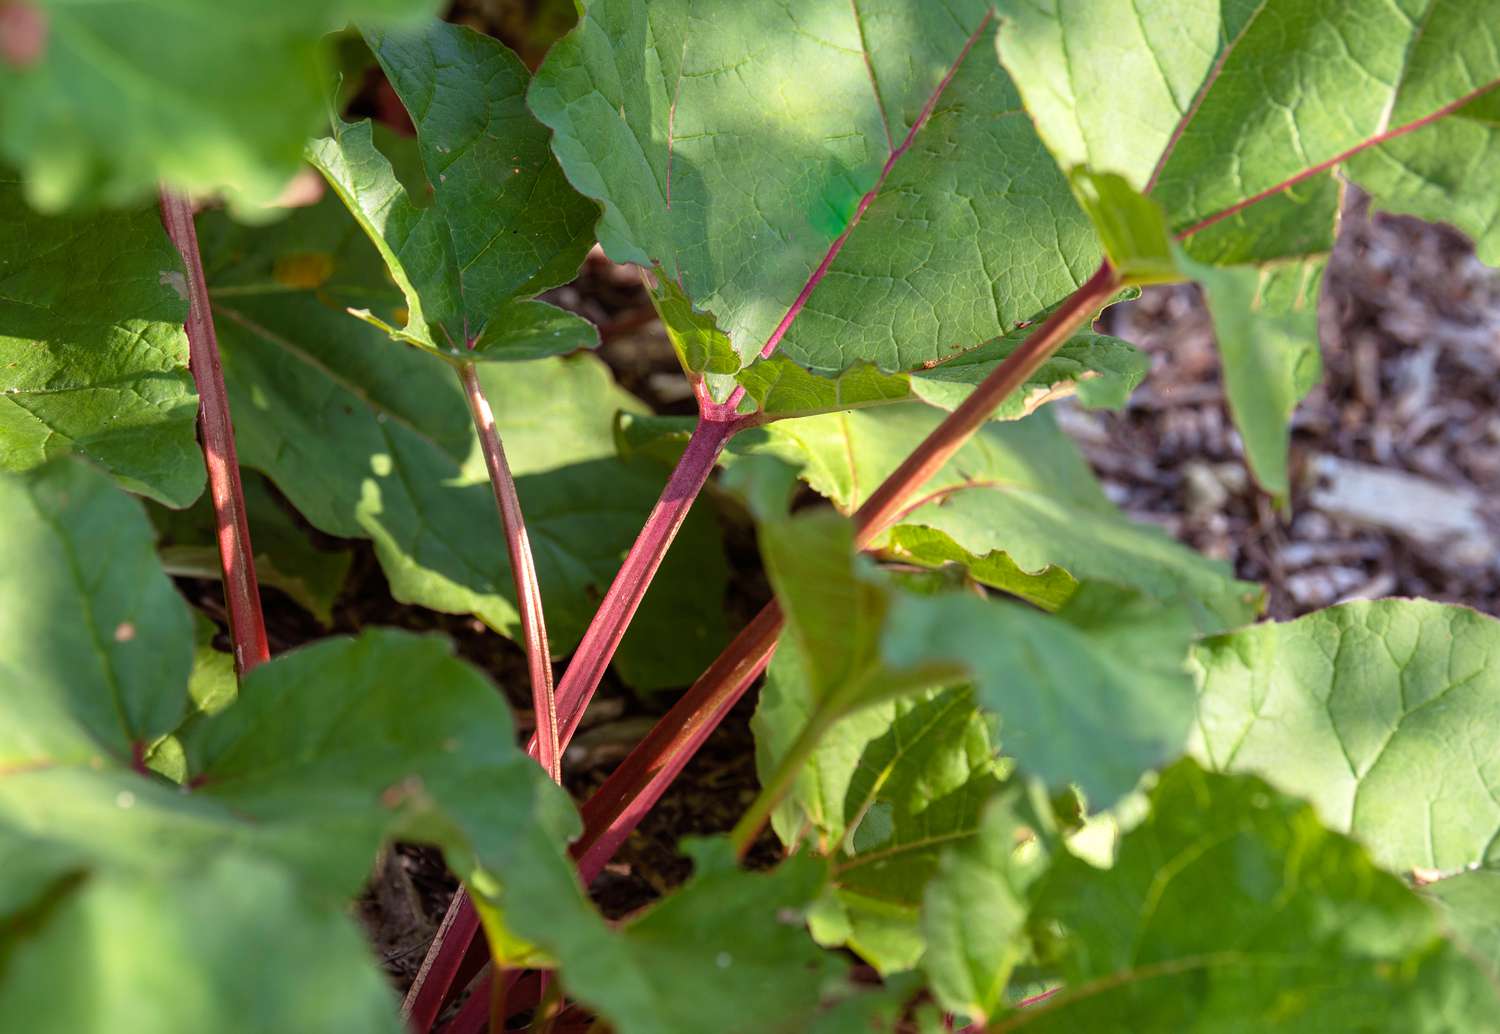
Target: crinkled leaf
(1231, 116)
(502, 224)
(885, 791)
(284, 557)
(1017, 506)
(93, 359)
(1102, 371)
(868, 159)
(1385, 714)
(1231, 909)
(372, 441)
(207, 95)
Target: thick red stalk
(634, 787)
(458, 939)
(617, 806)
(247, 626)
(523, 569)
(604, 633)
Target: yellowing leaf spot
(303, 270)
(124, 632)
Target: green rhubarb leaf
(165, 951)
(1470, 902)
(371, 441)
(1230, 908)
(1385, 714)
(93, 358)
(1102, 371)
(975, 909)
(1017, 506)
(1233, 118)
(502, 224)
(207, 95)
(1266, 321)
(284, 557)
(320, 759)
(883, 767)
(1094, 695)
(729, 951)
(836, 180)
(97, 643)
(701, 346)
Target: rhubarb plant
(1032, 764)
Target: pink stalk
(617, 807)
(523, 569)
(604, 633)
(247, 626)
(450, 952)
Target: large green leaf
(167, 951)
(1385, 714)
(207, 95)
(1232, 909)
(1234, 116)
(1016, 505)
(841, 179)
(93, 359)
(370, 440)
(502, 224)
(129, 886)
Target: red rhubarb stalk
(247, 626)
(546, 747)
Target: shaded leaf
(207, 95)
(975, 910)
(372, 441)
(1095, 695)
(887, 788)
(93, 358)
(837, 194)
(728, 952)
(1231, 908)
(284, 557)
(96, 659)
(1017, 506)
(320, 760)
